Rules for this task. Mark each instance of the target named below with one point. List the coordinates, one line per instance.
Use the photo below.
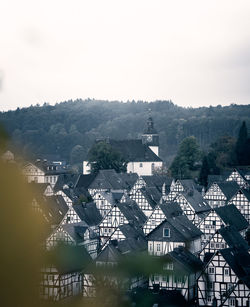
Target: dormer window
(166, 232)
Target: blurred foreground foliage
(22, 256)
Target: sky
(195, 52)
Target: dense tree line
(70, 128)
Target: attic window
(166, 232)
(141, 165)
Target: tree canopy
(103, 156)
(185, 162)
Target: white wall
(144, 170)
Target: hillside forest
(68, 129)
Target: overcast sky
(194, 52)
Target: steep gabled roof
(197, 202)
(131, 245)
(131, 231)
(228, 188)
(76, 231)
(112, 197)
(54, 208)
(233, 238)
(134, 151)
(84, 180)
(132, 212)
(110, 180)
(246, 193)
(152, 195)
(109, 254)
(232, 216)
(181, 230)
(65, 179)
(186, 260)
(88, 213)
(239, 262)
(171, 209)
(157, 181)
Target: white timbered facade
(219, 284)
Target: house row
(179, 223)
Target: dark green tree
(241, 146)
(186, 159)
(77, 154)
(103, 156)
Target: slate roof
(109, 254)
(171, 209)
(197, 202)
(76, 231)
(54, 208)
(232, 216)
(186, 260)
(131, 231)
(188, 184)
(246, 193)
(157, 181)
(233, 238)
(110, 180)
(133, 213)
(239, 262)
(152, 195)
(131, 245)
(112, 197)
(88, 213)
(229, 188)
(181, 230)
(65, 179)
(43, 165)
(76, 193)
(134, 151)
(84, 181)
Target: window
(150, 247)
(168, 266)
(212, 245)
(141, 165)
(156, 278)
(109, 219)
(232, 302)
(209, 299)
(166, 232)
(158, 247)
(226, 271)
(211, 270)
(105, 230)
(122, 219)
(217, 245)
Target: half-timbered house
(161, 212)
(227, 215)
(173, 232)
(219, 193)
(106, 200)
(225, 237)
(181, 270)
(225, 280)
(240, 176)
(194, 206)
(121, 213)
(62, 278)
(43, 172)
(242, 201)
(146, 199)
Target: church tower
(150, 136)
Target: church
(142, 154)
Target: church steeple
(150, 136)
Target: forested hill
(61, 128)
